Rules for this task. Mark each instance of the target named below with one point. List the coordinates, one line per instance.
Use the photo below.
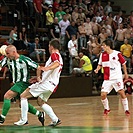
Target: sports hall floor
(78, 115)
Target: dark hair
(55, 43)
(109, 43)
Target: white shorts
(108, 85)
(42, 90)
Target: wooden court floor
(78, 115)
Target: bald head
(11, 52)
(11, 48)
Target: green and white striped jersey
(19, 68)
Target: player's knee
(103, 95)
(7, 96)
(122, 93)
(40, 102)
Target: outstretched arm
(98, 68)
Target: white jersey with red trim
(53, 75)
(111, 64)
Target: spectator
(63, 25)
(70, 7)
(60, 14)
(73, 52)
(68, 14)
(30, 8)
(82, 35)
(93, 47)
(13, 38)
(63, 4)
(38, 4)
(117, 20)
(72, 30)
(82, 15)
(95, 26)
(108, 7)
(49, 17)
(35, 50)
(23, 38)
(103, 35)
(75, 14)
(55, 6)
(119, 37)
(88, 28)
(126, 50)
(84, 65)
(55, 29)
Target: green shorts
(19, 87)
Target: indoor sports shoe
(106, 112)
(53, 124)
(41, 118)
(21, 123)
(1, 120)
(127, 112)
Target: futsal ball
(2, 49)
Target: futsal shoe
(53, 124)
(21, 123)
(127, 112)
(1, 120)
(41, 118)
(106, 112)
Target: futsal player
(111, 61)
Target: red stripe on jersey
(121, 58)
(105, 57)
(54, 57)
(106, 73)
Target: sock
(33, 110)
(49, 111)
(24, 109)
(105, 103)
(6, 107)
(125, 104)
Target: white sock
(105, 103)
(49, 111)
(24, 109)
(125, 104)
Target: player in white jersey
(45, 85)
(111, 61)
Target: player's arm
(98, 68)
(123, 62)
(38, 73)
(125, 71)
(50, 67)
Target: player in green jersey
(20, 67)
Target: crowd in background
(80, 25)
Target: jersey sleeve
(31, 64)
(55, 57)
(3, 62)
(100, 60)
(121, 59)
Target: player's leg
(124, 101)
(118, 86)
(106, 88)
(47, 109)
(7, 103)
(24, 107)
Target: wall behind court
(126, 5)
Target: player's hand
(126, 76)
(39, 79)
(33, 80)
(96, 70)
(43, 68)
